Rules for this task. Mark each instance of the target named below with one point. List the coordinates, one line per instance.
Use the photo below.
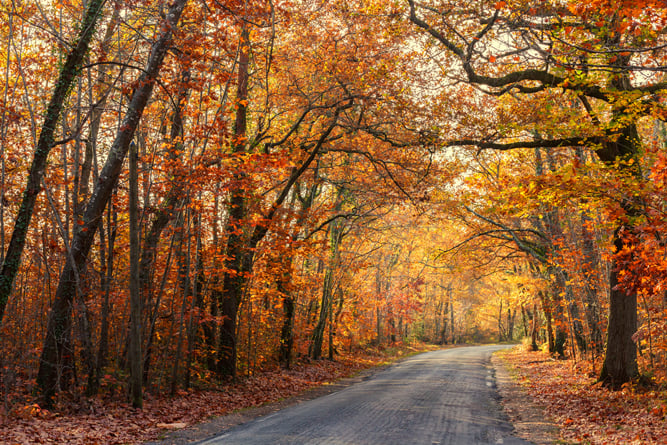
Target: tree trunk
(46, 142)
(284, 283)
(511, 315)
(335, 237)
(106, 274)
(445, 314)
(197, 304)
(378, 315)
(620, 361)
(533, 330)
(135, 355)
(183, 259)
(546, 308)
(176, 197)
(525, 321)
(286, 333)
(233, 282)
(501, 330)
(325, 307)
(451, 314)
(55, 343)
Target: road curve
(440, 397)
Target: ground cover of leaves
(586, 412)
(115, 422)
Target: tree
(68, 73)
(55, 353)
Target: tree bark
(620, 361)
(135, 355)
(237, 256)
(335, 236)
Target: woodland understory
(198, 193)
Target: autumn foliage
(319, 178)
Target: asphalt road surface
(440, 397)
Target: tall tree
(68, 73)
(56, 351)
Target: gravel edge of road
(529, 419)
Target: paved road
(440, 397)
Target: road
(439, 397)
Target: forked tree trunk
(286, 274)
(335, 236)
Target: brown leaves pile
(115, 423)
(585, 411)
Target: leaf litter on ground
(585, 411)
(115, 422)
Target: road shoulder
(529, 420)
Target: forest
(197, 191)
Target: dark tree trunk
(525, 321)
(135, 355)
(325, 307)
(237, 255)
(533, 329)
(46, 142)
(378, 315)
(620, 361)
(546, 308)
(511, 315)
(286, 332)
(335, 236)
(106, 274)
(284, 284)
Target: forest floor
(111, 421)
(545, 392)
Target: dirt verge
(529, 420)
